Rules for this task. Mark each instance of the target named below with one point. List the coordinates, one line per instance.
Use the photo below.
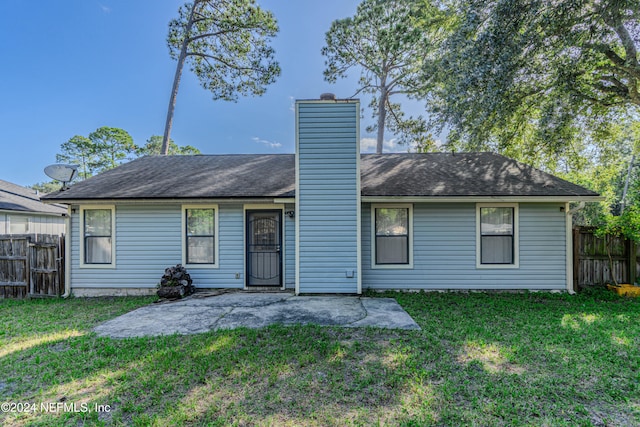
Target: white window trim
(375, 266)
(10, 219)
(516, 236)
(113, 236)
(216, 238)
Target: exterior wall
(149, 239)
(327, 196)
(38, 224)
(289, 248)
(444, 237)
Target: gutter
(480, 199)
(67, 254)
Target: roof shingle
(21, 199)
(273, 176)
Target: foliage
(47, 187)
(626, 225)
(552, 84)
(382, 41)
(153, 147)
(103, 149)
(604, 164)
(226, 44)
(112, 147)
(81, 151)
(534, 75)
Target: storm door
(264, 254)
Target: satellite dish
(62, 173)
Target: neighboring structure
(22, 212)
(325, 220)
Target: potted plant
(175, 283)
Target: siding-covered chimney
(328, 196)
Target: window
(98, 245)
(200, 235)
(497, 235)
(392, 236)
(18, 224)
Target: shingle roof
(272, 176)
(199, 176)
(459, 175)
(21, 199)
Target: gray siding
(327, 196)
(38, 224)
(445, 251)
(289, 249)
(149, 239)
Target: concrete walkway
(255, 310)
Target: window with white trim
(97, 235)
(391, 236)
(497, 235)
(18, 224)
(200, 235)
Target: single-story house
(326, 219)
(22, 212)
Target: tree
(81, 151)
(112, 147)
(226, 44)
(105, 148)
(153, 147)
(47, 187)
(382, 41)
(534, 73)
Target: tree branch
(627, 41)
(220, 60)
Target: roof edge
(160, 201)
(479, 199)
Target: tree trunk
(626, 184)
(382, 116)
(164, 150)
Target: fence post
(576, 259)
(631, 258)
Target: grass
(480, 359)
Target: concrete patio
(198, 314)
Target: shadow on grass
(485, 359)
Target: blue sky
(72, 66)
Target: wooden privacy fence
(31, 265)
(600, 260)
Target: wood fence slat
(31, 265)
(602, 260)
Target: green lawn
(481, 359)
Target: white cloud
(104, 8)
(292, 104)
(368, 145)
(269, 144)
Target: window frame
(374, 264)
(83, 263)
(516, 236)
(216, 245)
(26, 221)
